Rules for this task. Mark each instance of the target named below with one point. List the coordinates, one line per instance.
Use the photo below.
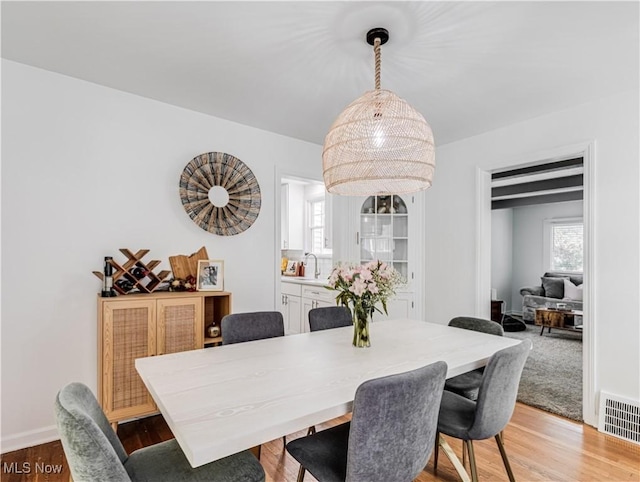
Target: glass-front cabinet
(389, 228)
(384, 232)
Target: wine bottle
(107, 279)
(138, 272)
(124, 284)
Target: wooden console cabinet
(135, 326)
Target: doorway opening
(305, 228)
(537, 276)
(564, 156)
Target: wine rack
(135, 275)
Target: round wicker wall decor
(235, 213)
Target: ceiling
(550, 182)
(291, 67)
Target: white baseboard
(31, 438)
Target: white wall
(87, 170)
(502, 254)
(450, 248)
(528, 243)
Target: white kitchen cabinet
(291, 314)
(290, 307)
(307, 305)
(300, 297)
(292, 216)
(315, 297)
(400, 306)
(284, 216)
(383, 227)
(384, 232)
(387, 233)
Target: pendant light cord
(376, 50)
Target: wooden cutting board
(184, 266)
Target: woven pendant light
(379, 144)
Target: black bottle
(125, 285)
(138, 272)
(107, 280)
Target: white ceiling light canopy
(379, 144)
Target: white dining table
(222, 400)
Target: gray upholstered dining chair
(94, 451)
(258, 325)
(468, 383)
(241, 327)
(390, 436)
(328, 317)
(486, 417)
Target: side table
(496, 310)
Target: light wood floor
(540, 446)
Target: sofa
(552, 290)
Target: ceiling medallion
(220, 193)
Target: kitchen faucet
(316, 273)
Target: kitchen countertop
(304, 281)
(323, 282)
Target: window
(565, 240)
(317, 235)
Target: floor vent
(619, 417)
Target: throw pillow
(553, 287)
(571, 291)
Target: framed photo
(292, 268)
(210, 275)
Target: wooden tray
(184, 266)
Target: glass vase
(361, 319)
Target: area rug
(552, 376)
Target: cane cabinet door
(180, 325)
(128, 332)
